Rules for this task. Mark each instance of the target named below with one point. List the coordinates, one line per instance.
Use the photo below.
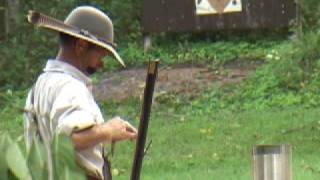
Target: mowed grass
(217, 145)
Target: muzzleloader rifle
(144, 119)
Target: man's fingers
(132, 135)
(122, 130)
(130, 128)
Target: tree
(2, 19)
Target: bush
(289, 77)
(33, 165)
(25, 51)
(310, 13)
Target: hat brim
(41, 20)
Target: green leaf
(5, 141)
(64, 159)
(70, 175)
(37, 161)
(17, 162)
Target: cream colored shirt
(63, 103)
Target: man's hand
(117, 129)
(111, 131)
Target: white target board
(207, 7)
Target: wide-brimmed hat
(84, 22)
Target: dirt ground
(121, 85)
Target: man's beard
(91, 70)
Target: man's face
(89, 56)
(95, 54)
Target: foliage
(289, 77)
(309, 14)
(33, 165)
(206, 53)
(292, 77)
(126, 16)
(26, 49)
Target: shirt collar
(63, 67)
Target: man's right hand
(117, 129)
(111, 131)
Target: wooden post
(272, 162)
(147, 42)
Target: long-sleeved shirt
(62, 102)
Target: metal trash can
(272, 162)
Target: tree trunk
(12, 15)
(2, 19)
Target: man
(61, 100)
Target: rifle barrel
(144, 119)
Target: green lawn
(217, 145)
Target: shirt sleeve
(72, 109)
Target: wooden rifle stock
(144, 119)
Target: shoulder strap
(34, 116)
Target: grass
(187, 144)
(218, 145)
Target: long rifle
(144, 119)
